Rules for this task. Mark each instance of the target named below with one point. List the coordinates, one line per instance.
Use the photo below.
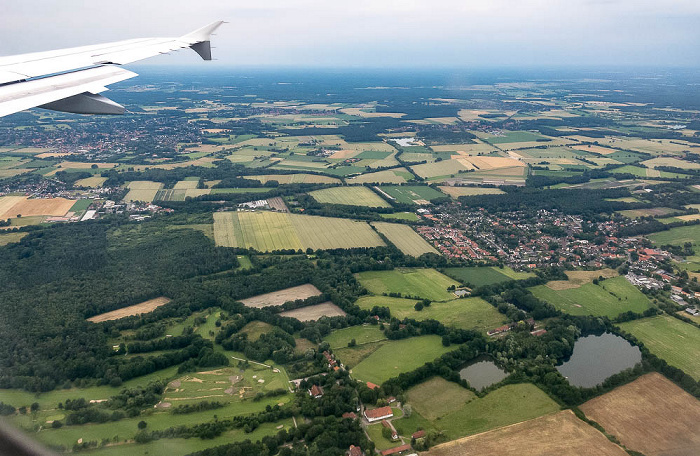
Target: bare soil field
(595, 149)
(578, 278)
(456, 192)
(137, 309)
(550, 435)
(35, 206)
(313, 313)
(650, 415)
(277, 298)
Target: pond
(596, 358)
(482, 372)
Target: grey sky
(376, 33)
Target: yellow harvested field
(142, 191)
(456, 192)
(389, 176)
(551, 435)
(345, 153)
(268, 231)
(12, 206)
(313, 313)
(670, 161)
(404, 238)
(350, 196)
(441, 168)
(594, 148)
(53, 154)
(277, 298)
(295, 179)
(91, 182)
(650, 415)
(578, 278)
(359, 112)
(186, 185)
(486, 163)
(138, 309)
(83, 165)
(655, 147)
(465, 149)
(443, 120)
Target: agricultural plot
(676, 342)
(137, 309)
(91, 182)
(350, 196)
(651, 415)
(267, 231)
(398, 356)
(389, 176)
(295, 179)
(551, 435)
(456, 192)
(142, 191)
(12, 206)
(411, 194)
(650, 212)
(578, 278)
(313, 313)
(362, 334)
(410, 216)
(480, 276)
(186, 184)
(476, 148)
(464, 313)
(436, 397)
(506, 405)
(670, 161)
(404, 238)
(277, 298)
(9, 238)
(677, 236)
(610, 298)
(441, 168)
(423, 283)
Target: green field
(7, 238)
(676, 342)
(677, 236)
(424, 283)
(350, 196)
(404, 238)
(81, 205)
(514, 136)
(437, 397)
(412, 194)
(610, 298)
(362, 334)
(398, 356)
(410, 216)
(144, 191)
(267, 231)
(479, 276)
(465, 313)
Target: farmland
(142, 191)
(389, 176)
(351, 196)
(437, 397)
(456, 192)
(404, 238)
(398, 356)
(610, 298)
(7, 238)
(267, 231)
(313, 313)
(479, 276)
(677, 236)
(422, 283)
(550, 435)
(144, 307)
(12, 206)
(412, 194)
(677, 342)
(362, 334)
(277, 298)
(650, 415)
(464, 313)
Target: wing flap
(20, 96)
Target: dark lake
(596, 358)
(482, 372)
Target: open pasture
(676, 342)
(398, 356)
(412, 194)
(8, 238)
(677, 236)
(142, 191)
(579, 278)
(389, 176)
(610, 298)
(277, 298)
(651, 415)
(479, 276)
(436, 397)
(267, 231)
(456, 192)
(550, 435)
(313, 313)
(350, 196)
(423, 283)
(137, 309)
(363, 334)
(404, 238)
(464, 313)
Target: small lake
(596, 358)
(482, 373)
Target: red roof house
(378, 414)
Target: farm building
(378, 414)
(394, 434)
(396, 450)
(418, 434)
(316, 392)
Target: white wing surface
(70, 80)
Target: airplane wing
(70, 80)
